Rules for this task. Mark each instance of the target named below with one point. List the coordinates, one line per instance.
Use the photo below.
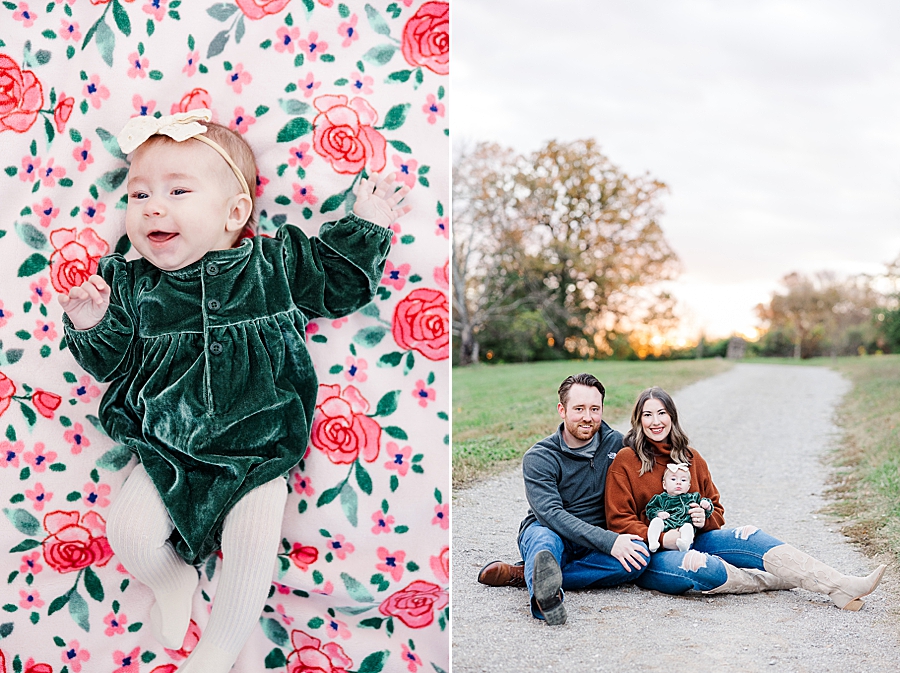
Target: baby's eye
(178, 191)
(137, 195)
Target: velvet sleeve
(337, 272)
(103, 349)
(622, 512)
(654, 507)
(541, 490)
(706, 487)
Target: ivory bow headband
(674, 467)
(179, 126)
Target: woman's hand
(698, 515)
(86, 304)
(378, 199)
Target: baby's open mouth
(161, 236)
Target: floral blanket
(323, 91)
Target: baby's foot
(170, 616)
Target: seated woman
(740, 560)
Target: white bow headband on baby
(674, 467)
(179, 126)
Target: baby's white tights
(138, 530)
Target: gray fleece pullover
(565, 490)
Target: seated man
(563, 539)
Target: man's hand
(698, 515)
(377, 200)
(629, 552)
(86, 304)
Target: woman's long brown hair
(642, 446)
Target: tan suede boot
(748, 581)
(802, 570)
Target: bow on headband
(674, 467)
(180, 127)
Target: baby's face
(179, 200)
(677, 483)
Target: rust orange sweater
(627, 494)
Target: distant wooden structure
(736, 348)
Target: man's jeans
(582, 567)
(701, 568)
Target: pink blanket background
(321, 90)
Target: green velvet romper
(211, 384)
(678, 507)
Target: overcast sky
(775, 123)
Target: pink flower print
(45, 330)
(335, 627)
(285, 39)
(304, 194)
(38, 459)
(85, 390)
(261, 183)
(241, 121)
(300, 155)
(396, 228)
(138, 65)
(25, 15)
(326, 589)
(96, 494)
(115, 624)
(75, 437)
(238, 77)
(348, 31)
(283, 614)
(433, 108)
(441, 516)
(50, 173)
(406, 171)
(395, 276)
(311, 328)
(30, 600)
(410, 658)
(9, 453)
(340, 547)
(312, 47)
(127, 663)
(68, 30)
(30, 169)
(30, 563)
(443, 227)
(45, 211)
(280, 588)
(82, 154)
(391, 563)
(303, 484)
(337, 324)
(38, 496)
(144, 109)
(422, 394)
(190, 68)
(156, 9)
(92, 211)
(96, 93)
(361, 83)
(355, 369)
(309, 85)
(5, 315)
(399, 458)
(383, 522)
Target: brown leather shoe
(500, 574)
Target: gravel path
(764, 430)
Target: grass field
(499, 411)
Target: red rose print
(309, 656)
(303, 557)
(7, 390)
(422, 323)
(440, 565)
(193, 100)
(75, 257)
(36, 668)
(46, 403)
(165, 668)
(73, 544)
(345, 135)
(341, 428)
(21, 96)
(426, 37)
(415, 605)
(257, 9)
(63, 111)
(191, 638)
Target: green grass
(500, 411)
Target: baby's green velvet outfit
(211, 383)
(678, 507)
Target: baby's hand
(86, 304)
(662, 515)
(377, 200)
(706, 504)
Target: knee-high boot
(802, 570)
(748, 581)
